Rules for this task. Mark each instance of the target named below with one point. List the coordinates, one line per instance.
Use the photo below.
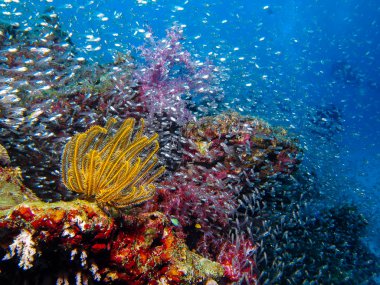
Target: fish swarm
(116, 168)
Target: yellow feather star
(112, 167)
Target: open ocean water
(311, 67)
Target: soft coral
(169, 77)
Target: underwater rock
(241, 143)
(54, 243)
(160, 254)
(12, 191)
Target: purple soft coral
(170, 77)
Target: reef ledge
(76, 242)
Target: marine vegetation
(112, 168)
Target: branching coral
(115, 168)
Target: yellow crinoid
(112, 166)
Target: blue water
(281, 56)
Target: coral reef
(67, 241)
(234, 207)
(167, 257)
(241, 144)
(38, 118)
(112, 167)
(246, 225)
(224, 158)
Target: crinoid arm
(113, 167)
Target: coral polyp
(112, 168)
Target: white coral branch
(24, 246)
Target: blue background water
(278, 54)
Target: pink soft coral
(201, 205)
(170, 77)
(198, 200)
